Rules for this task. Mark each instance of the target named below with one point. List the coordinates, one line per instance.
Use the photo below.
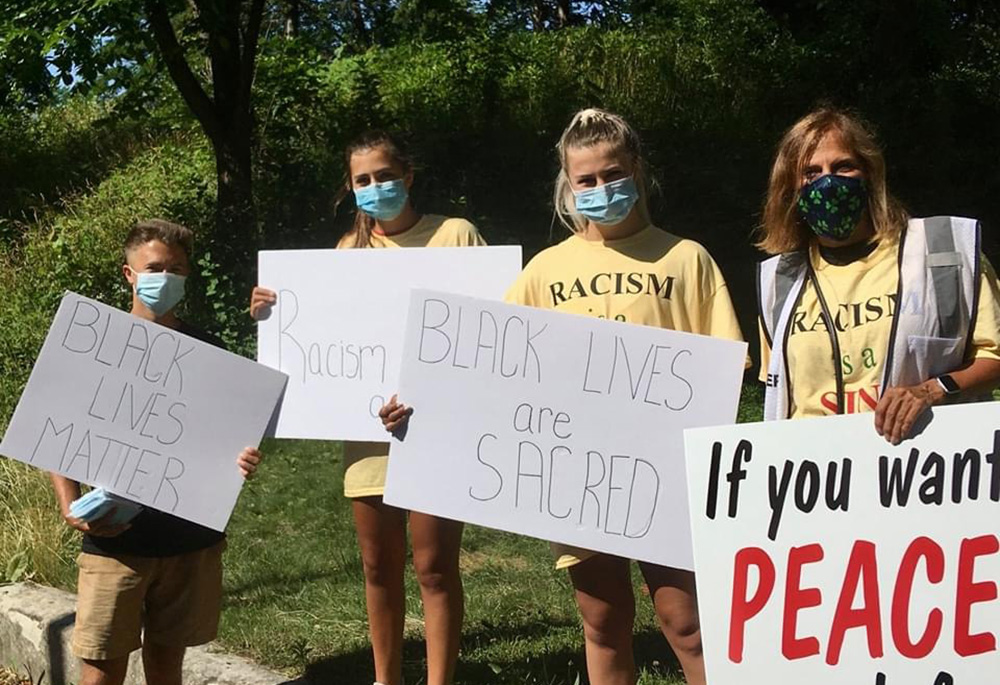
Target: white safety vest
(936, 305)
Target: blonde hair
(781, 229)
(589, 127)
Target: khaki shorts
(170, 601)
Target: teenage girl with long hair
(380, 176)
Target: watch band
(949, 385)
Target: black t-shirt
(155, 533)
(847, 254)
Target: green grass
(35, 543)
(295, 601)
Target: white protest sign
(142, 410)
(825, 555)
(337, 329)
(562, 427)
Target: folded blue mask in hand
(98, 502)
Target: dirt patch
(470, 562)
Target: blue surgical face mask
(161, 292)
(608, 204)
(382, 201)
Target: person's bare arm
(899, 408)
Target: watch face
(949, 384)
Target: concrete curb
(36, 624)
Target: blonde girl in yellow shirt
(618, 266)
(380, 175)
(863, 327)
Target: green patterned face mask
(832, 205)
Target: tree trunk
(236, 219)
(234, 212)
(227, 117)
(292, 18)
(564, 12)
(358, 19)
(538, 13)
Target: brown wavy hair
(781, 229)
(360, 233)
(167, 232)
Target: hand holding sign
(261, 302)
(395, 415)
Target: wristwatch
(949, 385)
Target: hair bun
(590, 115)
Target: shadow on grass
(653, 654)
(560, 666)
(287, 582)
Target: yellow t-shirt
(651, 278)
(861, 297)
(365, 462)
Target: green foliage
(434, 20)
(56, 154)
(80, 250)
(48, 45)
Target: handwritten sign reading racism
(562, 427)
(825, 555)
(149, 413)
(337, 329)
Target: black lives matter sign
(151, 414)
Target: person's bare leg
(162, 664)
(676, 604)
(103, 671)
(382, 538)
(436, 543)
(607, 606)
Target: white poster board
(142, 410)
(826, 556)
(337, 329)
(557, 426)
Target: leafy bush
(56, 152)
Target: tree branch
(194, 95)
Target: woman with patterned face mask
(380, 175)
(863, 308)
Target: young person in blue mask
(156, 582)
(617, 265)
(863, 308)
(380, 175)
